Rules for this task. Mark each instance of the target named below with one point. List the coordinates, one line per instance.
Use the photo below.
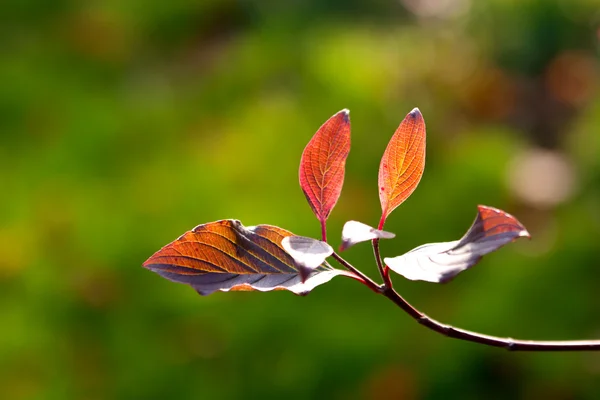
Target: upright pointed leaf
(323, 164)
(440, 262)
(402, 164)
(225, 255)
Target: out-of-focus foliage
(125, 123)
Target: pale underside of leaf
(308, 253)
(356, 232)
(225, 255)
(209, 283)
(440, 262)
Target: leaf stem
(384, 271)
(381, 221)
(323, 230)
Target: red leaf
(323, 164)
(492, 221)
(225, 255)
(440, 262)
(402, 164)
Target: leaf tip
(487, 212)
(415, 113)
(345, 114)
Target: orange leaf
(323, 165)
(225, 255)
(402, 164)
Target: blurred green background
(125, 123)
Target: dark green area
(125, 123)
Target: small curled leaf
(440, 262)
(308, 253)
(356, 232)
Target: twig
(507, 343)
(462, 334)
(365, 279)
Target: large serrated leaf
(225, 255)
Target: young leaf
(402, 163)
(308, 253)
(356, 232)
(440, 262)
(323, 164)
(225, 255)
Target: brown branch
(506, 343)
(463, 334)
(364, 278)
